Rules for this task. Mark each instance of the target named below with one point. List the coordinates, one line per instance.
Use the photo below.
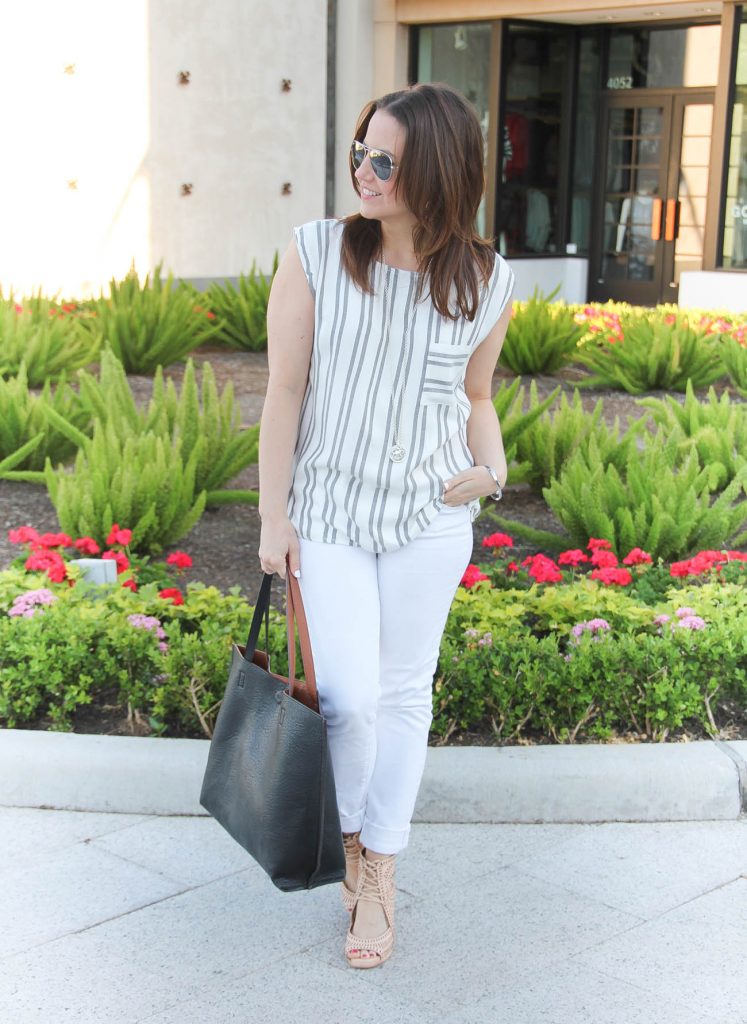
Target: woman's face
(378, 198)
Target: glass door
(650, 215)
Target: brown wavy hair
(440, 178)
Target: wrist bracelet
(497, 494)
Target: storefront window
(584, 145)
(661, 58)
(535, 62)
(735, 216)
(460, 55)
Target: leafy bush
(734, 358)
(655, 501)
(22, 418)
(141, 479)
(542, 336)
(545, 447)
(48, 343)
(653, 354)
(150, 324)
(242, 310)
(205, 422)
(716, 429)
(509, 405)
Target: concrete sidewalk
(133, 919)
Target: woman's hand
(468, 485)
(279, 540)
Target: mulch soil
(224, 543)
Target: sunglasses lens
(357, 154)
(382, 165)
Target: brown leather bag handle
(296, 614)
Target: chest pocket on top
(444, 369)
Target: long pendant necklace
(397, 451)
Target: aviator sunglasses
(382, 163)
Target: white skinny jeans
(375, 624)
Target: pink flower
(692, 622)
(636, 557)
(595, 544)
(603, 559)
(50, 562)
(612, 576)
(87, 546)
(119, 536)
(472, 575)
(55, 540)
(498, 540)
(23, 535)
(180, 559)
(543, 569)
(572, 557)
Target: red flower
(595, 544)
(118, 536)
(87, 546)
(180, 559)
(130, 584)
(55, 540)
(543, 570)
(498, 540)
(23, 535)
(612, 576)
(637, 557)
(50, 562)
(736, 556)
(472, 575)
(512, 567)
(123, 562)
(603, 559)
(573, 557)
(698, 564)
(172, 594)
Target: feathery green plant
(508, 402)
(242, 309)
(22, 417)
(202, 420)
(653, 355)
(542, 336)
(150, 324)
(716, 429)
(139, 479)
(734, 357)
(49, 343)
(656, 501)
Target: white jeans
(375, 623)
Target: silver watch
(497, 494)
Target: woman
(378, 439)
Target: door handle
(656, 209)
(672, 222)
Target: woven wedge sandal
(353, 853)
(376, 884)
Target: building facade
(615, 138)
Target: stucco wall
(93, 176)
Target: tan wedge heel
(376, 884)
(353, 853)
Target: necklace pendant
(397, 453)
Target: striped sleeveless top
(345, 488)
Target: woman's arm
(290, 334)
(483, 429)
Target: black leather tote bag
(269, 778)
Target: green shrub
(205, 422)
(22, 418)
(734, 358)
(509, 405)
(653, 355)
(48, 343)
(542, 336)
(150, 324)
(242, 310)
(656, 500)
(139, 479)
(716, 429)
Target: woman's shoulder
(322, 228)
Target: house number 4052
(620, 82)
